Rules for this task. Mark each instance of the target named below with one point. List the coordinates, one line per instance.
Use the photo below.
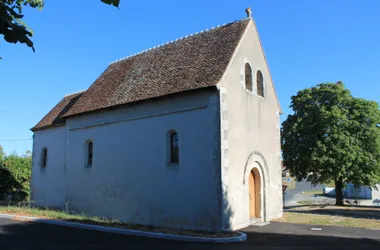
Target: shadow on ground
(32, 236)
(293, 241)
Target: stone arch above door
(259, 158)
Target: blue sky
(306, 43)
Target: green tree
(15, 174)
(12, 26)
(332, 136)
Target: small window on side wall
(248, 77)
(89, 153)
(174, 147)
(260, 83)
(44, 158)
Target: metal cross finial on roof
(249, 12)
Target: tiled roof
(54, 117)
(193, 62)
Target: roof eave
(136, 102)
(34, 129)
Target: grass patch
(108, 222)
(313, 192)
(329, 220)
(305, 202)
(56, 214)
(348, 211)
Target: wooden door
(252, 198)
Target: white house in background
(361, 195)
(183, 135)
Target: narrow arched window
(248, 77)
(44, 157)
(260, 83)
(174, 148)
(89, 153)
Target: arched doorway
(254, 194)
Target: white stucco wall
(250, 136)
(48, 184)
(130, 178)
(376, 196)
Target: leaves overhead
(13, 28)
(112, 2)
(332, 136)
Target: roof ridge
(74, 93)
(176, 40)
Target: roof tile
(54, 117)
(193, 62)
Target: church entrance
(254, 194)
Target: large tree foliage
(332, 136)
(12, 26)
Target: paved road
(16, 235)
(292, 196)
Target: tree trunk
(339, 192)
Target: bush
(15, 174)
